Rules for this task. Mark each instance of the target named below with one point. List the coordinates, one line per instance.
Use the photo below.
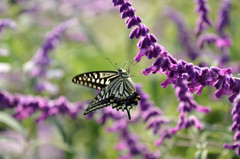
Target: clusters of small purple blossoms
(27, 105)
(221, 39)
(40, 62)
(131, 142)
(196, 77)
(147, 44)
(148, 113)
(235, 126)
(187, 104)
(203, 20)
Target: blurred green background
(101, 34)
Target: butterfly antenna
(114, 65)
(133, 63)
(124, 64)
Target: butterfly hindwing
(97, 79)
(120, 93)
(117, 90)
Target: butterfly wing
(120, 93)
(97, 79)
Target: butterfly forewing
(117, 90)
(97, 79)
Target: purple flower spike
(129, 141)
(203, 21)
(6, 23)
(185, 77)
(39, 64)
(223, 18)
(26, 106)
(235, 125)
(126, 10)
(117, 2)
(150, 113)
(165, 134)
(184, 36)
(233, 147)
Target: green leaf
(204, 154)
(198, 155)
(11, 122)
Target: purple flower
(4, 23)
(39, 64)
(148, 113)
(26, 106)
(219, 42)
(194, 78)
(184, 36)
(223, 17)
(235, 126)
(203, 21)
(13, 145)
(233, 147)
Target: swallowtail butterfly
(117, 90)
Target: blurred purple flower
(6, 23)
(147, 111)
(225, 40)
(203, 21)
(222, 41)
(13, 144)
(184, 36)
(131, 142)
(223, 17)
(85, 7)
(46, 135)
(27, 105)
(39, 64)
(219, 42)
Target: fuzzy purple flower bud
(132, 21)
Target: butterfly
(117, 90)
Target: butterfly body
(117, 90)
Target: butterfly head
(123, 73)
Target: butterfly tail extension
(128, 112)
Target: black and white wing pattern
(117, 90)
(96, 80)
(120, 94)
